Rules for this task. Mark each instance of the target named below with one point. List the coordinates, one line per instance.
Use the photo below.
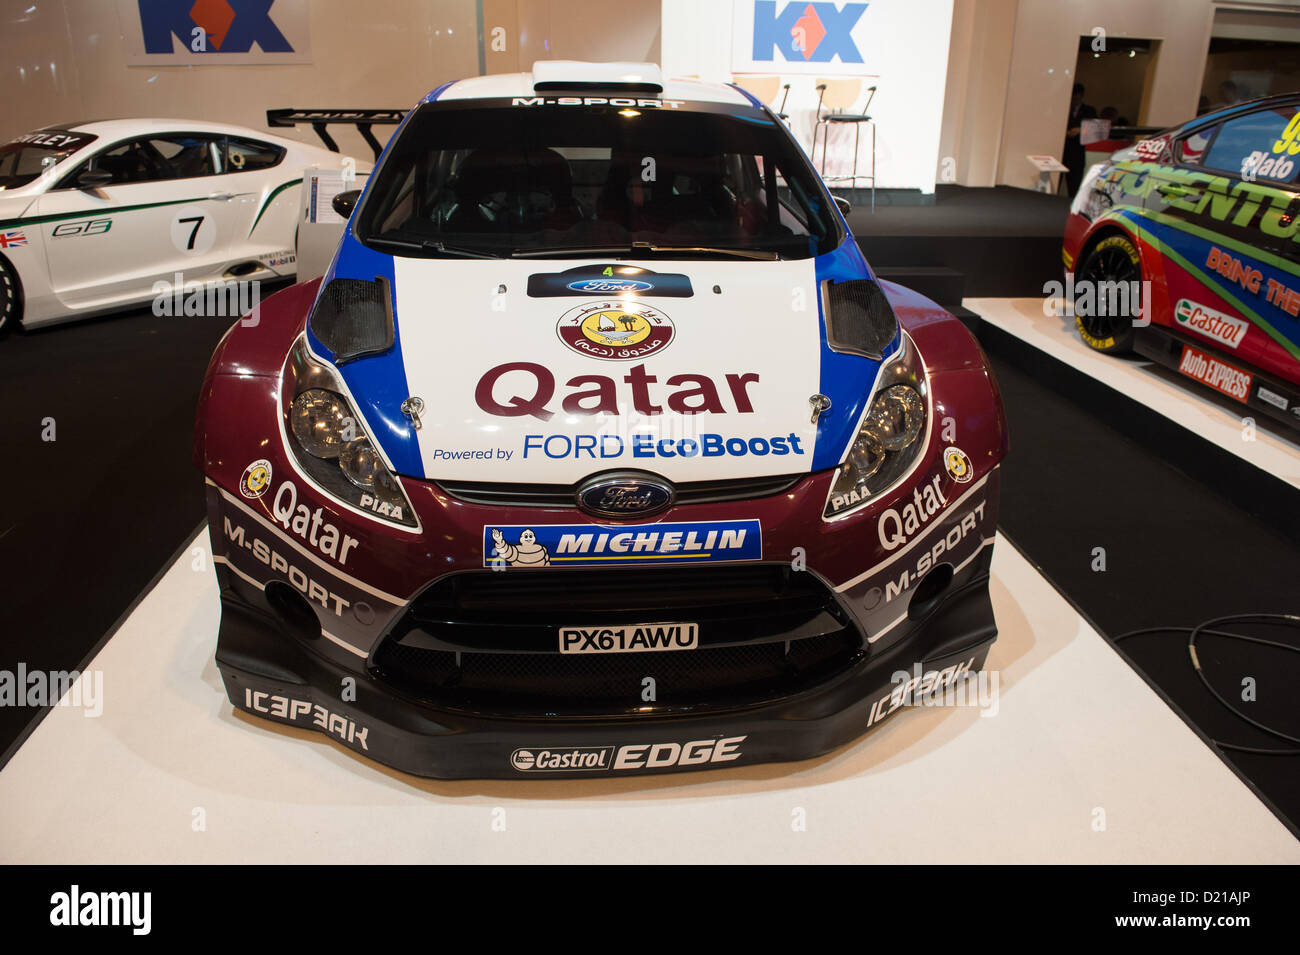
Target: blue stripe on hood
(378, 382)
(845, 379)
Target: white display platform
(1077, 735)
(1274, 449)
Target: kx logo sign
(211, 26)
(809, 32)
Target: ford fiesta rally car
(1204, 217)
(598, 450)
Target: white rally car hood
(535, 371)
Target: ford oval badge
(624, 494)
(609, 286)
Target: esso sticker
(193, 230)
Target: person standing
(1072, 153)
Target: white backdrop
(903, 49)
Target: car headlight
(889, 439)
(329, 443)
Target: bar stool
(835, 96)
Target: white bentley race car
(94, 215)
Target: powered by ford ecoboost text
(1202, 223)
(598, 450)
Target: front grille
(488, 641)
(564, 495)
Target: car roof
(119, 128)
(592, 79)
(1227, 112)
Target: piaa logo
(812, 32)
(615, 331)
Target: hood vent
(353, 318)
(859, 320)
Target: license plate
(631, 638)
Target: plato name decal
(541, 545)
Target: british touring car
(598, 450)
(1204, 218)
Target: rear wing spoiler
(321, 119)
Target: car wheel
(1104, 312)
(11, 299)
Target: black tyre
(1108, 294)
(11, 299)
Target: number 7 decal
(198, 223)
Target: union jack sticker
(10, 239)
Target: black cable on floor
(1204, 629)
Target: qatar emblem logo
(958, 465)
(615, 331)
(256, 479)
(625, 494)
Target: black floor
(88, 519)
(1000, 241)
(1084, 474)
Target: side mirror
(93, 178)
(345, 202)
(843, 205)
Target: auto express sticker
(615, 331)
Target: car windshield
(545, 180)
(25, 158)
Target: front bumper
(279, 678)
(315, 596)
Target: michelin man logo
(526, 553)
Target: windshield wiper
(430, 245)
(645, 247)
